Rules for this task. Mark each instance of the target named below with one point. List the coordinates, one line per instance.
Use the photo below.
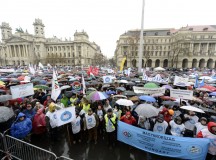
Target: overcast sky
(105, 20)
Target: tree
(112, 62)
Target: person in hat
(177, 128)
(200, 125)
(128, 118)
(91, 124)
(160, 125)
(209, 133)
(110, 125)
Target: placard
(149, 90)
(23, 90)
(181, 94)
(180, 81)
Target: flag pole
(141, 39)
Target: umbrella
(65, 87)
(147, 98)
(146, 110)
(129, 93)
(170, 103)
(43, 82)
(167, 86)
(4, 98)
(203, 89)
(134, 98)
(124, 102)
(151, 85)
(211, 88)
(44, 87)
(96, 96)
(123, 81)
(191, 108)
(120, 96)
(213, 94)
(131, 84)
(106, 86)
(121, 89)
(159, 69)
(2, 83)
(167, 98)
(2, 91)
(5, 114)
(205, 77)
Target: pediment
(16, 39)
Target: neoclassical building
(187, 47)
(23, 48)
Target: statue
(20, 30)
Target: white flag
(83, 83)
(48, 65)
(31, 69)
(56, 90)
(40, 65)
(108, 79)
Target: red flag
(95, 71)
(89, 70)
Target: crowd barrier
(21, 150)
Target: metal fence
(22, 150)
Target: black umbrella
(129, 93)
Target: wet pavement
(100, 151)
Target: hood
(128, 114)
(210, 125)
(19, 116)
(40, 111)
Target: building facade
(187, 47)
(23, 48)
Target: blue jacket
(20, 129)
(29, 113)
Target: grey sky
(105, 20)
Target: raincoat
(20, 129)
(29, 113)
(39, 123)
(130, 120)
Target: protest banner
(149, 90)
(157, 79)
(162, 144)
(23, 90)
(7, 70)
(181, 94)
(64, 116)
(180, 81)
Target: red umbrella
(167, 98)
(211, 88)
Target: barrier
(11, 147)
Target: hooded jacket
(131, 120)
(207, 133)
(20, 129)
(39, 123)
(167, 116)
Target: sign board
(157, 78)
(149, 90)
(64, 116)
(108, 79)
(77, 85)
(23, 90)
(162, 144)
(181, 94)
(180, 81)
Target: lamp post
(141, 39)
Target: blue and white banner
(157, 78)
(180, 81)
(64, 116)
(108, 79)
(161, 144)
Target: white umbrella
(159, 69)
(123, 81)
(191, 108)
(146, 110)
(5, 113)
(205, 77)
(124, 102)
(4, 98)
(65, 87)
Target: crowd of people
(32, 115)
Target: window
(144, 34)
(69, 54)
(64, 54)
(156, 33)
(190, 29)
(168, 33)
(205, 29)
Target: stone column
(199, 48)
(15, 51)
(207, 48)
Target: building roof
(199, 28)
(149, 32)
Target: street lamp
(141, 39)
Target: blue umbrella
(213, 94)
(147, 98)
(43, 81)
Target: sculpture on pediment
(20, 30)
